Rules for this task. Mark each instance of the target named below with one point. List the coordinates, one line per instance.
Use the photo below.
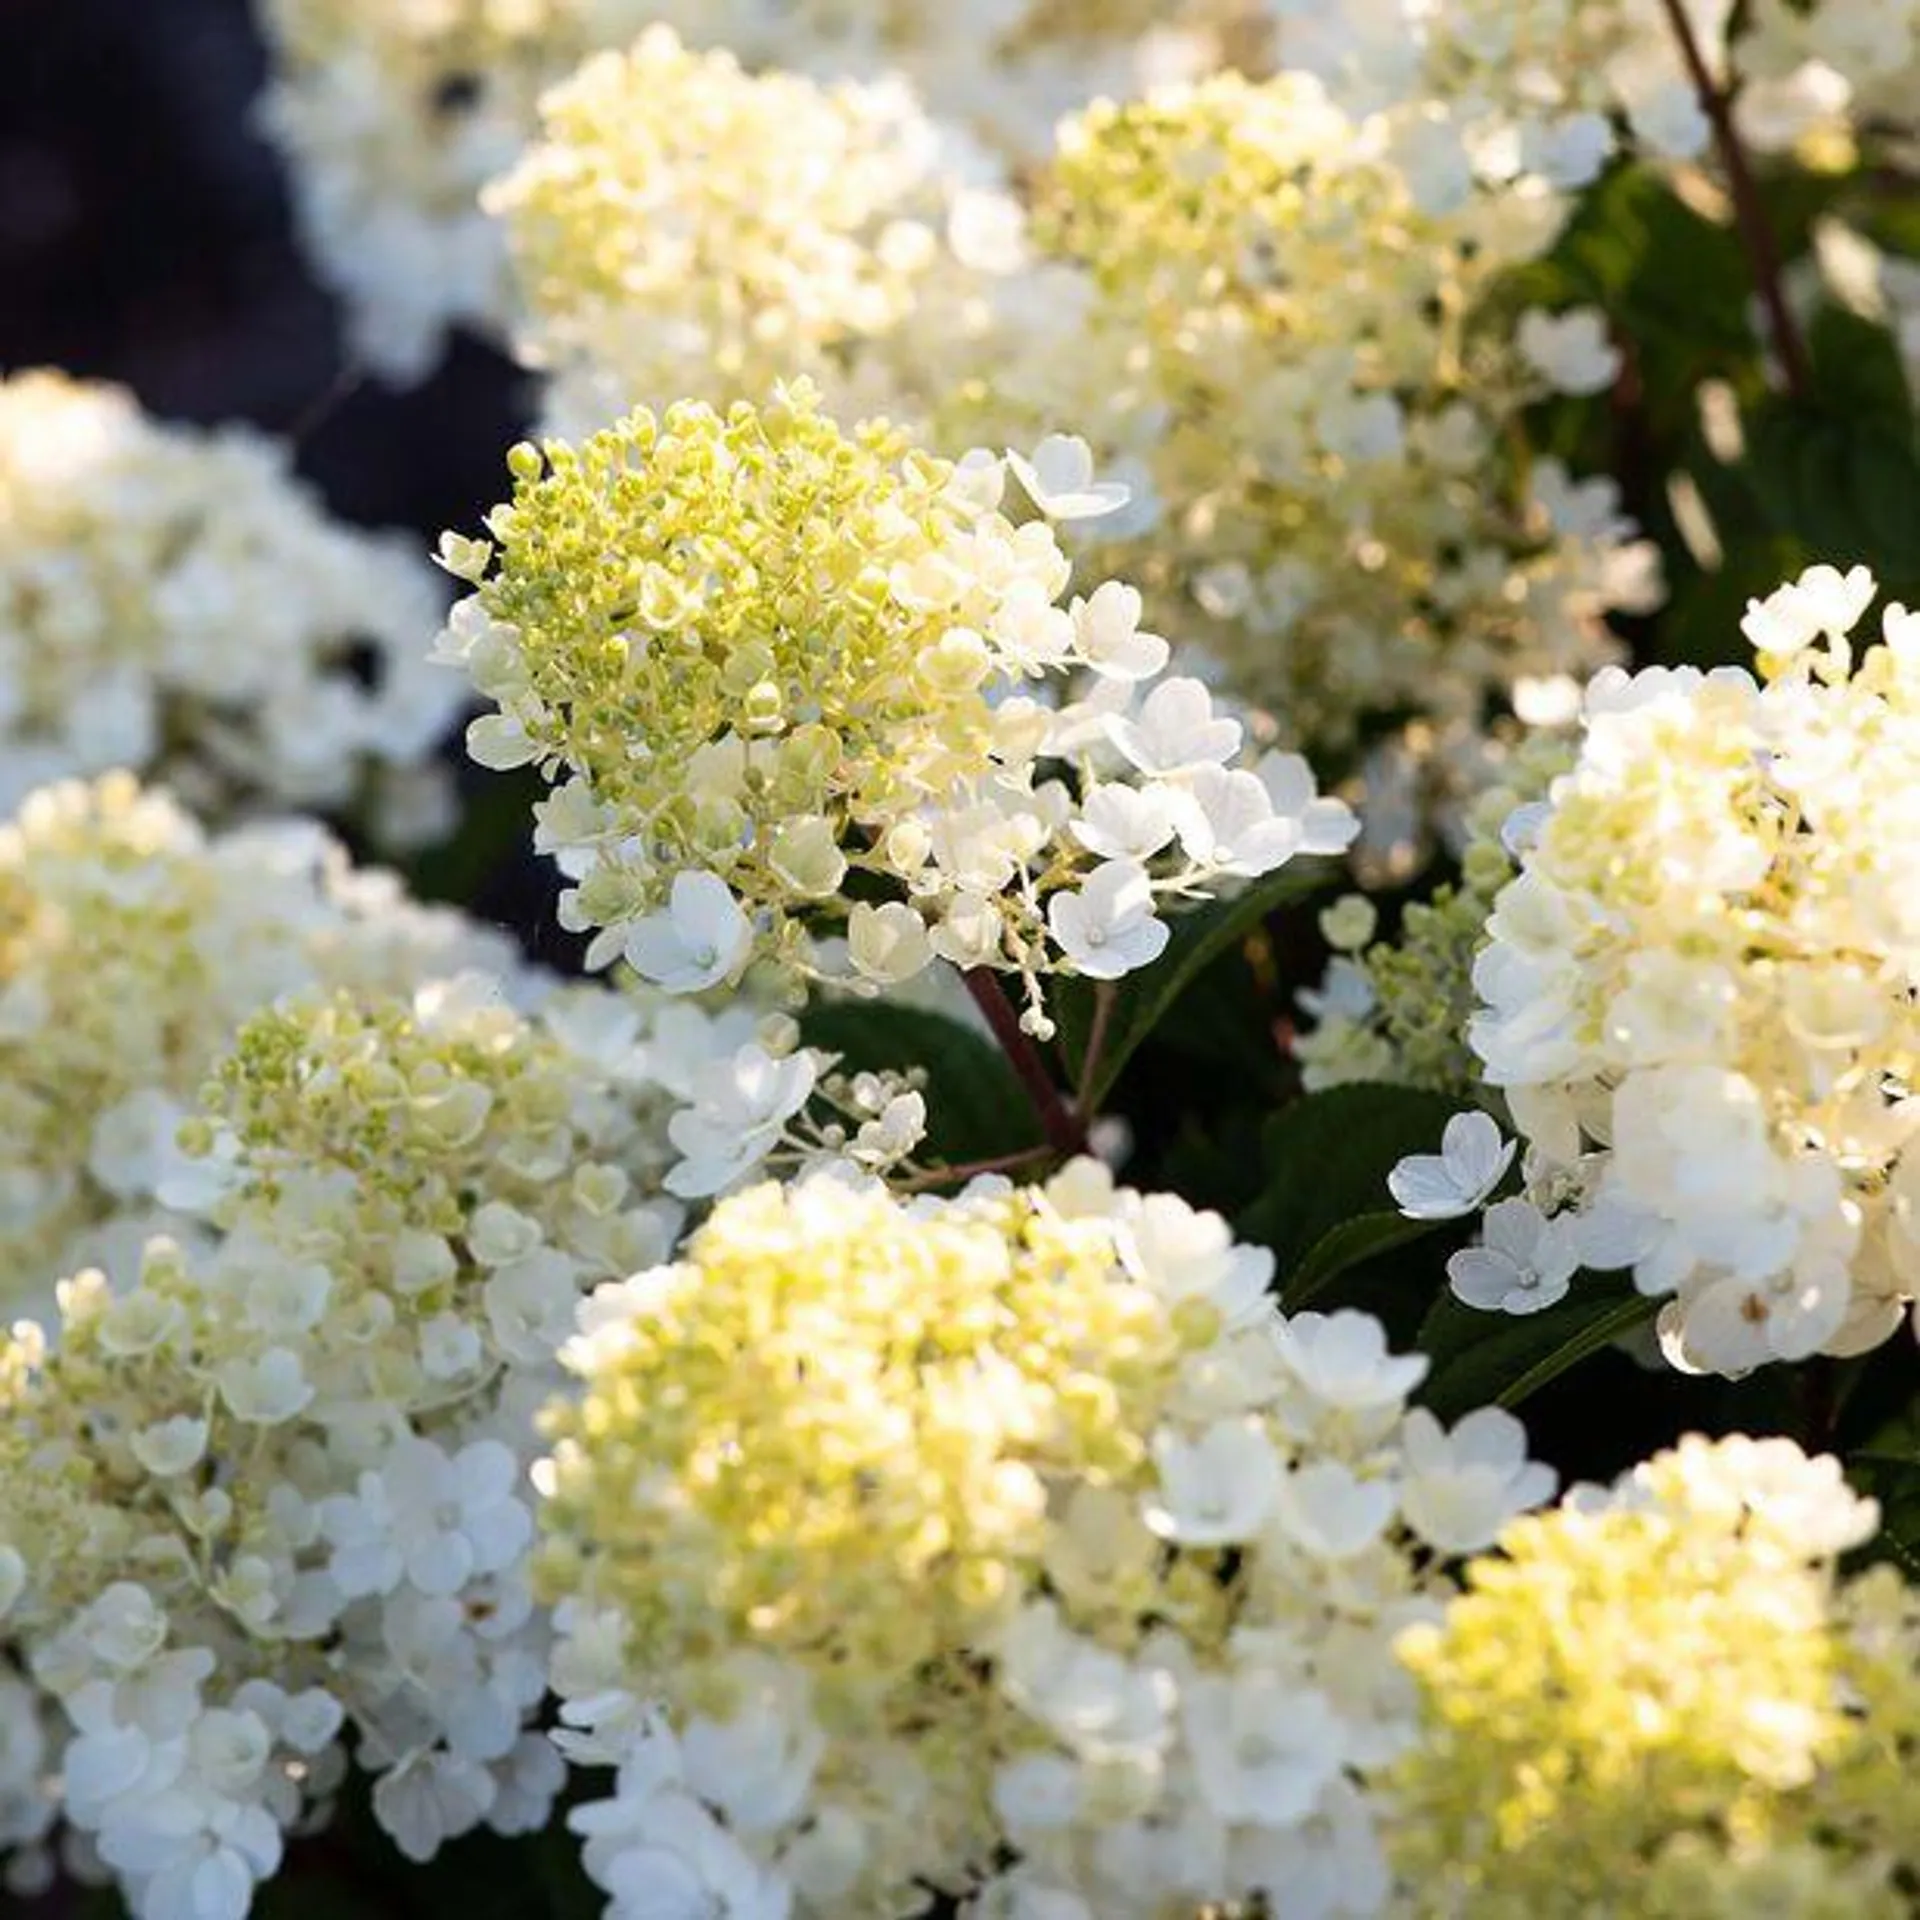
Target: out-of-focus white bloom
(135, 943)
(271, 1502)
(1464, 1486)
(395, 116)
(174, 602)
(1571, 350)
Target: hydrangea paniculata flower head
(1283, 322)
(273, 1496)
(395, 116)
(1698, 993)
(132, 944)
(760, 656)
(1661, 1700)
(173, 601)
(683, 228)
(1017, 1524)
(1559, 86)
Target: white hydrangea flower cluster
(1012, 1548)
(1335, 545)
(683, 227)
(758, 655)
(1276, 313)
(270, 1503)
(1550, 85)
(1663, 1699)
(1698, 994)
(132, 944)
(396, 113)
(1838, 73)
(29, 1807)
(174, 601)
(1536, 83)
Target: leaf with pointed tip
(1497, 1359)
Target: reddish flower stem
(1756, 232)
(1064, 1132)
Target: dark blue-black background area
(146, 237)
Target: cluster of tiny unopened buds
(1396, 1009)
(1660, 1700)
(272, 1499)
(1012, 1547)
(172, 600)
(132, 943)
(1698, 993)
(789, 678)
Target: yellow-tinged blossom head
(760, 655)
(684, 226)
(1653, 1705)
(833, 1402)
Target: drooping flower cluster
(396, 115)
(1397, 1009)
(684, 228)
(132, 944)
(172, 600)
(1552, 85)
(1662, 1702)
(767, 661)
(1279, 322)
(1010, 1547)
(1698, 994)
(269, 1504)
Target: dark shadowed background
(146, 238)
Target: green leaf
(1848, 490)
(1857, 369)
(1497, 1359)
(1340, 1249)
(1142, 1000)
(1894, 1480)
(976, 1109)
(1326, 1160)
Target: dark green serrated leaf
(1198, 937)
(1496, 1359)
(1326, 1160)
(976, 1109)
(1351, 1244)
